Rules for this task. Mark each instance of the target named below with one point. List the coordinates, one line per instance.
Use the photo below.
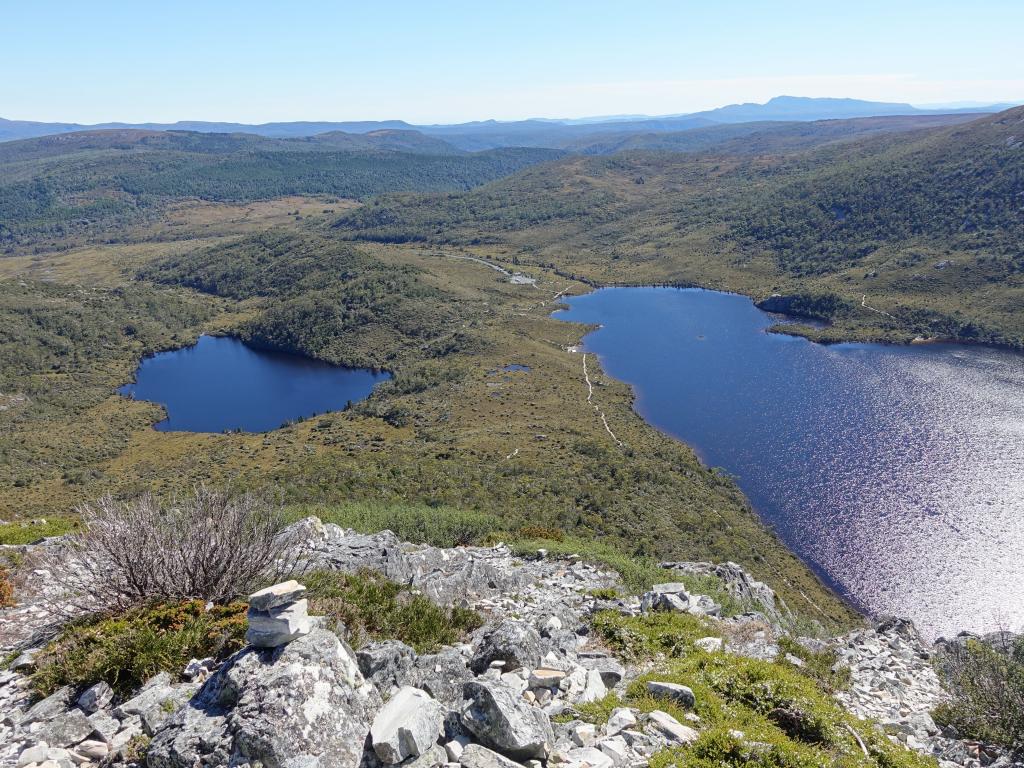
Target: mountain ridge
(482, 134)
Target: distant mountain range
(555, 133)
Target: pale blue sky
(258, 61)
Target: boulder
(407, 726)
(305, 703)
(617, 749)
(667, 726)
(442, 675)
(502, 720)
(610, 669)
(584, 735)
(56, 703)
(387, 664)
(678, 694)
(477, 756)
(93, 750)
(433, 757)
(588, 757)
(276, 596)
(155, 704)
(66, 730)
(594, 689)
(456, 746)
(95, 697)
(516, 643)
(543, 677)
(619, 720)
(104, 725)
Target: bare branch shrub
(985, 679)
(206, 546)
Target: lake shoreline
(646, 406)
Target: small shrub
(986, 684)
(820, 666)
(373, 607)
(6, 589)
(652, 634)
(206, 546)
(127, 649)
(541, 532)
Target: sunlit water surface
(896, 472)
(221, 384)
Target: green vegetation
(439, 526)
(326, 299)
(752, 713)
(652, 635)
(372, 607)
(128, 649)
(29, 531)
(927, 224)
(987, 685)
(821, 665)
(89, 183)
(638, 572)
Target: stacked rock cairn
(277, 615)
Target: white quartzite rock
(95, 697)
(277, 595)
(668, 726)
(620, 719)
(278, 625)
(407, 726)
(504, 721)
(477, 756)
(305, 703)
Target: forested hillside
(83, 182)
(327, 299)
(933, 220)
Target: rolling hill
(932, 220)
(78, 182)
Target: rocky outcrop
(740, 585)
(303, 704)
(505, 697)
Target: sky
(440, 62)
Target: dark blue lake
(896, 472)
(221, 384)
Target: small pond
(221, 384)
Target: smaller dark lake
(221, 384)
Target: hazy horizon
(961, 105)
(454, 62)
